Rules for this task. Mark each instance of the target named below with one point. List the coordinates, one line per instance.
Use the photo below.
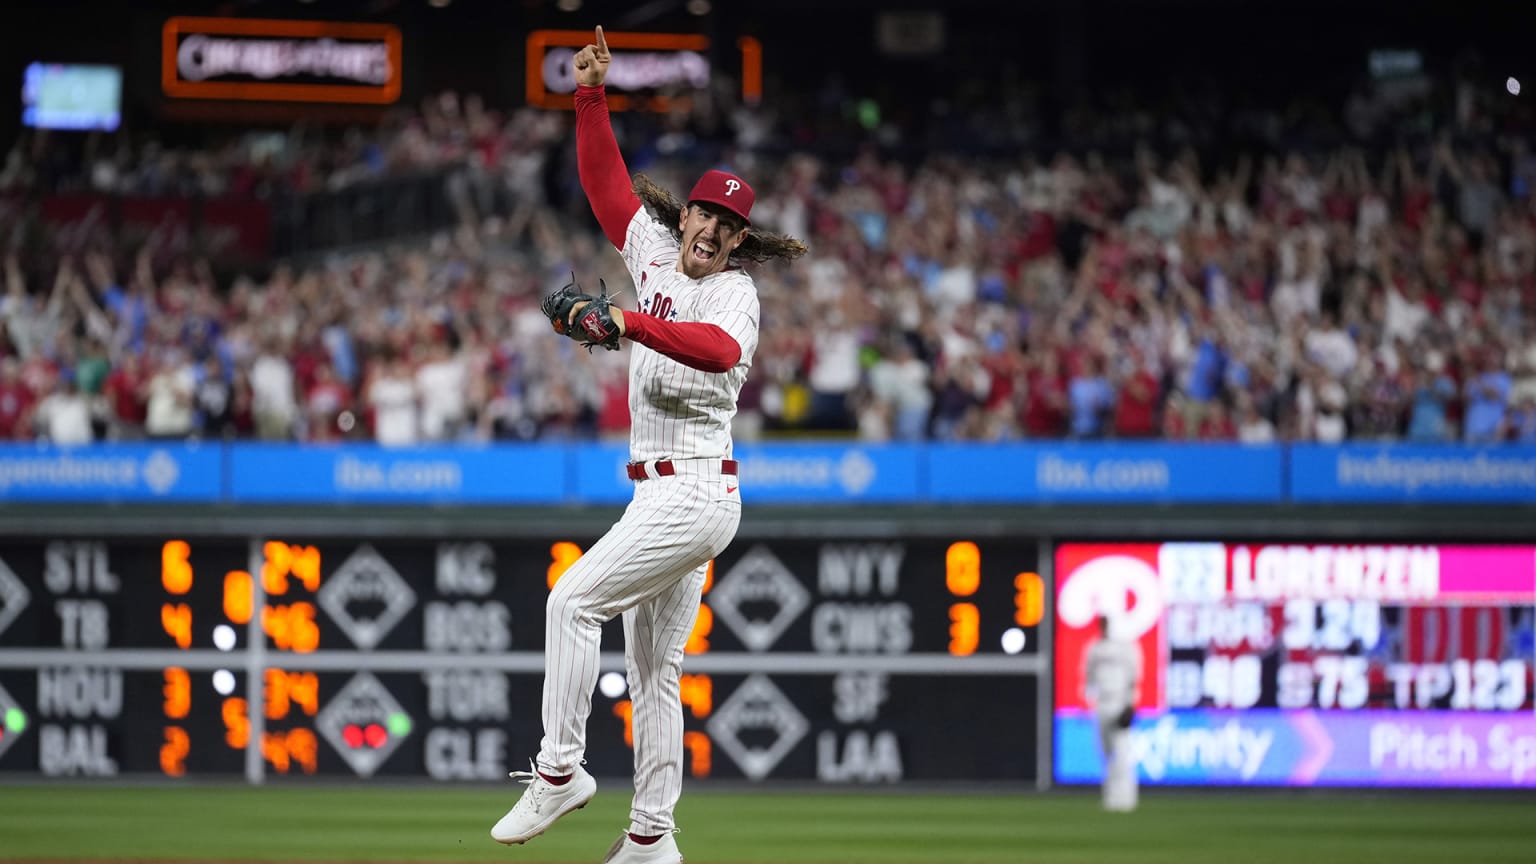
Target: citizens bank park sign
(253, 59)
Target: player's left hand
(592, 321)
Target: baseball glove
(1126, 717)
(592, 326)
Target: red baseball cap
(724, 190)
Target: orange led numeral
(237, 596)
(178, 693)
(625, 710)
(176, 620)
(562, 555)
(173, 753)
(301, 745)
(284, 689)
(304, 690)
(964, 633)
(237, 726)
(283, 749)
(699, 750)
(305, 564)
(962, 568)
(1029, 601)
(698, 693)
(709, 577)
(291, 626)
(703, 625)
(282, 559)
(175, 569)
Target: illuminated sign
(839, 660)
(642, 63)
(1307, 664)
(253, 59)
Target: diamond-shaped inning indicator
(757, 706)
(13, 596)
(13, 721)
(355, 590)
(357, 724)
(761, 580)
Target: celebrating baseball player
(1112, 681)
(694, 335)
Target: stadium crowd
(1134, 277)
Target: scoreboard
(1307, 664)
(847, 660)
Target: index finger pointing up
(602, 44)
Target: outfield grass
(424, 823)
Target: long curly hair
(759, 246)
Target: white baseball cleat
(627, 851)
(542, 803)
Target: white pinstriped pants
(650, 566)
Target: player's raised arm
(604, 176)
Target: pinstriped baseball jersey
(677, 412)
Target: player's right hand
(592, 62)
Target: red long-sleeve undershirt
(605, 179)
(604, 176)
(695, 344)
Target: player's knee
(562, 606)
(571, 606)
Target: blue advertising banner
(598, 471)
(284, 473)
(1109, 472)
(780, 473)
(776, 473)
(830, 473)
(112, 472)
(1404, 472)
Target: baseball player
(1111, 684)
(693, 338)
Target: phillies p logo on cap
(724, 190)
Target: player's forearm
(604, 177)
(695, 344)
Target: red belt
(636, 470)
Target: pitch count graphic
(1309, 664)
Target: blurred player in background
(694, 335)
(1111, 684)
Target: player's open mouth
(703, 251)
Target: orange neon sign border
(173, 86)
(540, 40)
